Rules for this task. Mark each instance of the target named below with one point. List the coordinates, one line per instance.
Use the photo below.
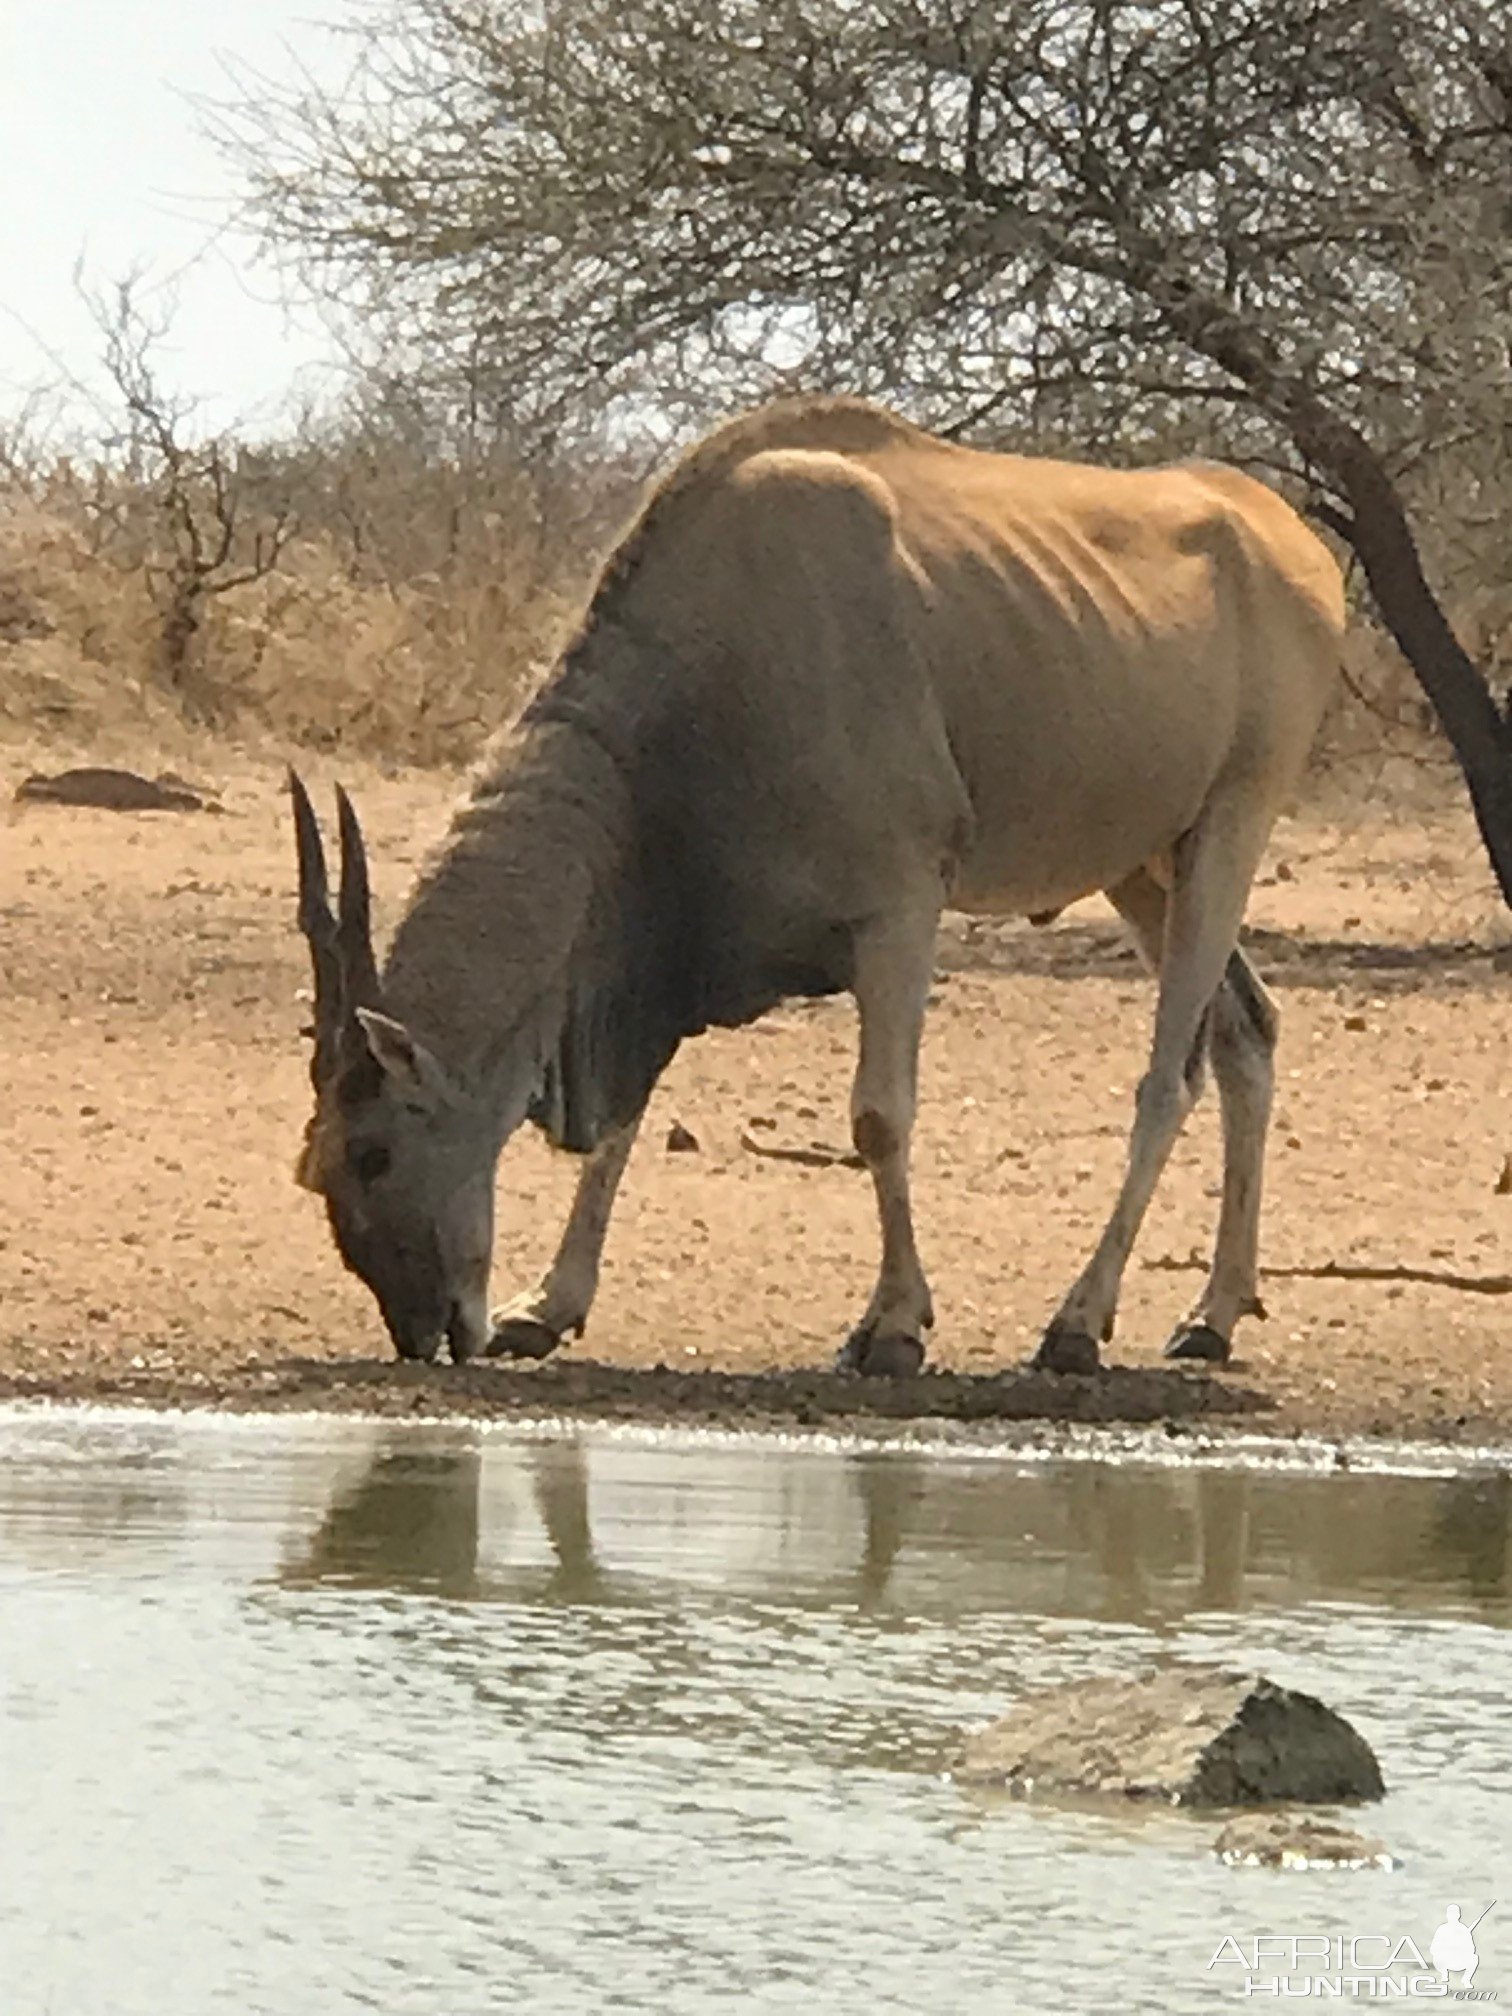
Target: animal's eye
(368, 1164)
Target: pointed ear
(414, 1073)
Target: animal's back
(1086, 650)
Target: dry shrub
(413, 672)
(76, 631)
(329, 649)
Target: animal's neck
(480, 964)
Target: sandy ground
(153, 1244)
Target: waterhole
(302, 1717)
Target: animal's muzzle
(420, 1342)
(417, 1326)
(419, 1346)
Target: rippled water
(309, 1717)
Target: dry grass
(314, 653)
(413, 610)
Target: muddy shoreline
(983, 1408)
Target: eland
(838, 676)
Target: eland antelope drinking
(837, 676)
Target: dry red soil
(154, 1245)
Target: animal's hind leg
(894, 965)
(1212, 869)
(1242, 1045)
(534, 1324)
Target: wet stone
(1299, 1841)
(1185, 1735)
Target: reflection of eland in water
(1151, 1544)
(1136, 1544)
(412, 1520)
(409, 1520)
(581, 1520)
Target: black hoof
(1199, 1340)
(521, 1337)
(1065, 1350)
(886, 1357)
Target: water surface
(302, 1717)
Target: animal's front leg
(534, 1324)
(894, 963)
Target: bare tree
(214, 525)
(1281, 226)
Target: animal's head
(400, 1153)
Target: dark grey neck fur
(540, 955)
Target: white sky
(101, 160)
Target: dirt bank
(152, 1243)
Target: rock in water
(1299, 1841)
(1188, 1735)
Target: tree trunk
(181, 622)
(1382, 537)
(180, 648)
(1378, 530)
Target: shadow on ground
(1073, 951)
